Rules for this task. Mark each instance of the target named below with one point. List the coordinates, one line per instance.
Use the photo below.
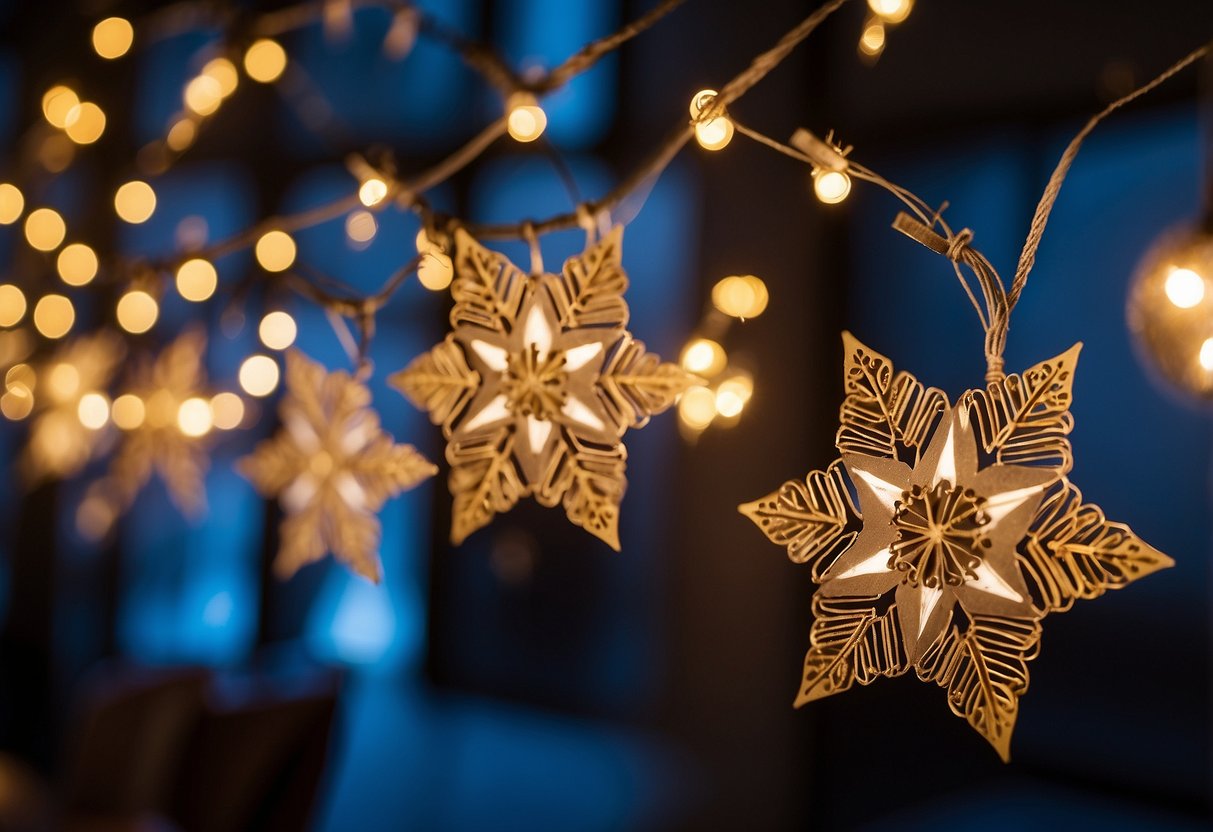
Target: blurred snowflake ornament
(63, 437)
(162, 433)
(536, 386)
(332, 467)
(965, 533)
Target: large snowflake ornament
(944, 534)
(537, 384)
(332, 467)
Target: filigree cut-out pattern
(964, 532)
(536, 385)
(332, 467)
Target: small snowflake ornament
(60, 444)
(332, 467)
(944, 534)
(536, 386)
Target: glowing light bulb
(17, 402)
(278, 330)
(831, 186)
(732, 395)
(57, 102)
(85, 123)
(137, 311)
(21, 374)
(435, 272)
(194, 417)
(181, 134)
(275, 251)
(423, 242)
(225, 75)
(259, 375)
(63, 382)
(740, 296)
(128, 411)
(77, 264)
(12, 305)
(703, 357)
(93, 410)
(360, 227)
(203, 95)
(265, 61)
(135, 202)
(1185, 288)
(227, 410)
(893, 11)
(196, 280)
(12, 203)
(112, 37)
(872, 41)
(526, 120)
(697, 407)
(54, 316)
(372, 191)
(45, 229)
(714, 133)
(1206, 354)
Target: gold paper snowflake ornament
(160, 434)
(944, 534)
(160, 442)
(332, 467)
(536, 386)
(64, 435)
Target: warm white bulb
(372, 191)
(697, 407)
(1206, 354)
(1185, 288)
(526, 120)
(831, 186)
(194, 417)
(93, 410)
(715, 133)
(894, 11)
(703, 357)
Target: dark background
(533, 679)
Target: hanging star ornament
(60, 444)
(332, 467)
(536, 386)
(160, 443)
(944, 534)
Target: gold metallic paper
(944, 534)
(536, 386)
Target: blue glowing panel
(164, 68)
(363, 265)
(542, 33)
(411, 100)
(907, 303)
(510, 189)
(465, 764)
(190, 593)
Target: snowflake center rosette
(536, 386)
(944, 534)
(939, 535)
